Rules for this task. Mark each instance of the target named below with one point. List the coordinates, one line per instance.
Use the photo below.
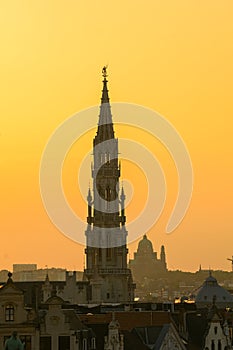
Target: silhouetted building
(145, 262)
(106, 235)
(136, 330)
(211, 289)
(217, 335)
(206, 329)
(42, 326)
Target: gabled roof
(132, 341)
(74, 320)
(152, 336)
(10, 287)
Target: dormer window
(9, 313)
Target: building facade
(49, 325)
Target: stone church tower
(106, 235)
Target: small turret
(47, 289)
(122, 202)
(114, 340)
(163, 257)
(89, 201)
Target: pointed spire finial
(104, 71)
(105, 97)
(122, 196)
(105, 129)
(89, 196)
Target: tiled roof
(73, 319)
(132, 341)
(196, 325)
(131, 319)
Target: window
(109, 253)
(45, 343)
(26, 340)
(107, 157)
(93, 345)
(219, 345)
(215, 330)
(84, 344)
(108, 295)
(9, 313)
(64, 343)
(212, 345)
(100, 255)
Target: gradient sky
(174, 57)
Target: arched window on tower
(109, 253)
(107, 197)
(9, 313)
(100, 254)
(107, 157)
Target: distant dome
(212, 291)
(211, 281)
(145, 246)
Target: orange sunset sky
(173, 56)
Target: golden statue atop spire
(104, 72)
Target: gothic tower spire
(105, 125)
(106, 233)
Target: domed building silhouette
(211, 290)
(146, 262)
